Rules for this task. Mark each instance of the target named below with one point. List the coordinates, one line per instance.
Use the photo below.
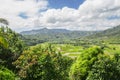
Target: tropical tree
(43, 62)
(10, 46)
(6, 74)
(106, 68)
(80, 69)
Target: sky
(81, 15)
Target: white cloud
(10, 9)
(91, 15)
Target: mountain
(33, 37)
(112, 35)
(44, 31)
(53, 35)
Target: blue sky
(65, 3)
(113, 17)
(23, 15)
(63, 14)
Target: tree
(106, 68)
(10, 46)
(43, 62)
(6, 74)
(80, 69)
(10, 49)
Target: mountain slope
(53, 35)
(111, 35)
(44, 31)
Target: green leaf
(3, 42)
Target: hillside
(52, 35)
(44, 31)
(111, 35)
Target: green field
(69, 50)
(74, 51)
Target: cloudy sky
(69, 14)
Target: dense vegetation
(43, 63)
(78, 38)
(94, 64)
(52, 35)
(11, 46)
(78, 60)
(111, 35)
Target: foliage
(3, 42)
(11, 46)
(111, 35)
(6, 74)
(94, 64)
(43, 62)
(83, 64)
(105, 68)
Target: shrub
(6, 74)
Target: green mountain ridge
(53, 35)
(110, 35)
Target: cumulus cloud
(91, 15)
(11, 9)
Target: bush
(6, 74)
(106, 68)
(10, 47)
(43, 63)
(83, 64)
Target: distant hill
(33, 37)
(112, 35)
(53, 35)
(45, 31)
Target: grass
(69, 50)
(74, 51)
(114, 48)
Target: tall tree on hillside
(11, 46)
